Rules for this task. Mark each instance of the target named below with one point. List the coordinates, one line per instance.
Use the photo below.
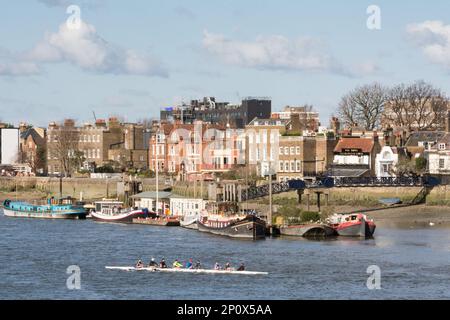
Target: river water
(34, 256)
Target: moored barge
(248, 227)
(48, 211)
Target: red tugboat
(352, 225)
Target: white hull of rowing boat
(188, 270)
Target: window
(297, 150)
(286, 166)
(281, 150)
(298, 166)
(441, 146)
(281, 166)
(441, 163)
(292, 166)
(292, 150)
(286, 150)
(272, 137)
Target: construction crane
(95, 118)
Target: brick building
(33, 145)
(190, 150)
(103, 143)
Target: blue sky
(133, 58)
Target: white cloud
(19, 69)
(277, 52)
(268, 52)
(85, 48)
(433, 37)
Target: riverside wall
(102, 188)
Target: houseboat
(48, 211)
(308, 230)
(243, 227)
(352, 225)
(114, 211)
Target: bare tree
(63, 145)
(347, 111)
(36, 160)
(363, 106)
(417, 106)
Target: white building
(439, 156)
(387, 160)
(154, 202)
(9, 145)
(169, 203)
(186, 206)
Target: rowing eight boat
(153, 269)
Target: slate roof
(424, 136)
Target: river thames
(35, 255)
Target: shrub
(104, 169)
(310, 216)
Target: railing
(375, 181)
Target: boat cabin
(108, 206)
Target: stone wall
(91, 188)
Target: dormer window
(441, 146)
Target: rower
(163, 264)
(217, 266)
(189, 264)
(241, 268)
(152, 263)
(139, 264)
(198, 265)
(227, 266)
(177, 264)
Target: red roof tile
(364, 144)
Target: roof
(364, 144)
(424, 136)
(38, 139)
(445, 139)
(348, 171)
(152, 195)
